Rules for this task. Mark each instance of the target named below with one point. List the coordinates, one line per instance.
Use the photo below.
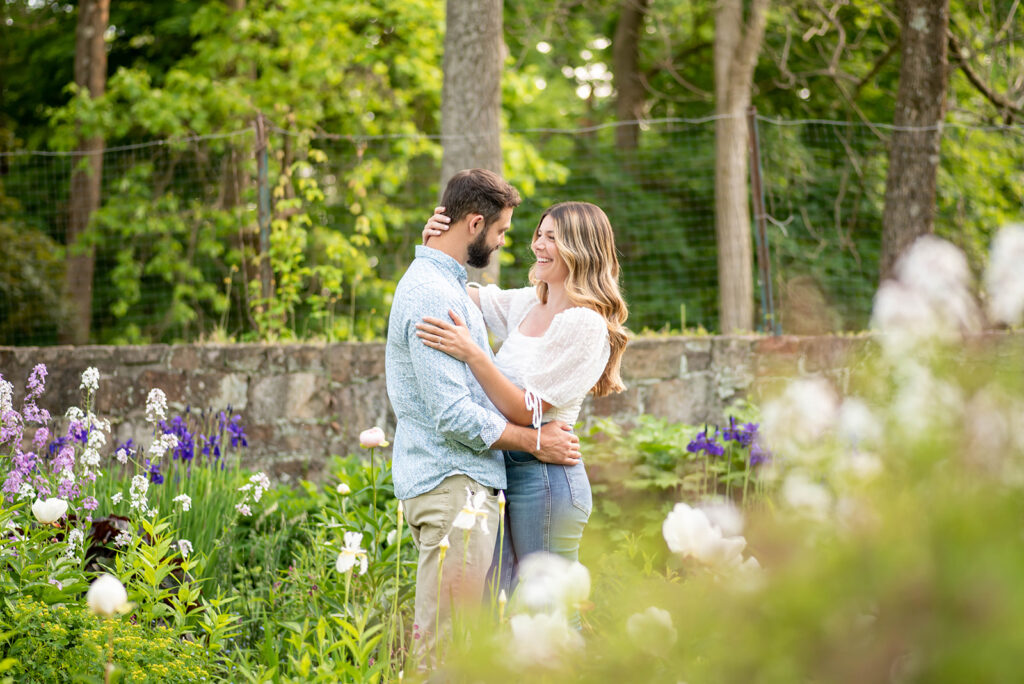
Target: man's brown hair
(478, 191)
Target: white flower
(652, 630)
(90, 380)
(156, 406)
(933, 267)
(260, 479)
(75, 538)
(123, 538)
(26, 492)
(807, 498)
(243, 509)
(51, 510)
(858, 425)
(1004, 277)
(185, 547)
(96, 440)
(122, 455)
(74, 413)
(392, 535)
(107, 596)
(343, 489)
(542, 640)
(116, 498)
(185, 500)
(444, 544)
(473, 510)
(351, 553)
(137, 492)
(161, 445)
(801, 416)
(551, 583)
(374, 437)
(6, 397)
(689, 532)
(90, 458)
(724, 515)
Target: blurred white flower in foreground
(343, 489)
(798, 418)
(542, 639)
(652, 630)
(49, 511)
(107, 596)
(690, 533)
(929, 298)
(352, 553)
(551, 584)
(1004, 277)
(806, 497)
(724, 515)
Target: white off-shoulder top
(561, 366)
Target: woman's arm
(454, 340)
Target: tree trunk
(471, 95)
(629, 101)
(91, 74)
(920, 107)
(737, 44)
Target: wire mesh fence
(178, 251)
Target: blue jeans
(547, 508)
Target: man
(449, 434)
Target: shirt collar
(446, 263)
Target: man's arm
(558, 444)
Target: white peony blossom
(652, 630)
(107, 596)
(806, 497)
(351, 553)
(542, 640)
(1004, 277)
(724, 515)
(90, 380)
(374, 437)
(49, 511)
(804, 413)
(689, 532)
(550, 583)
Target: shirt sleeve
(443, 380)
(573, 355)
(503, 310)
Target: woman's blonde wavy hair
(585, 241)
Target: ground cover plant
(864, 528)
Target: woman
(563, 337)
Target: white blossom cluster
(90, 380)
(156, 406)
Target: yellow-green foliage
(63, 643)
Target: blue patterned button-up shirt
(446, 423)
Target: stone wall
(302, 403)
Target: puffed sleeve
(504, 309)
(574, 354)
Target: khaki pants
(466, 562)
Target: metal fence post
(764, 268)
(263, 207)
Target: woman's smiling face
(551, 267)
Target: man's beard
(478, 253)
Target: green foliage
(30, 286)
(64, 642)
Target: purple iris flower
(237, 432)
(759, 455)
(702, 443)
(155, 476)
(741, 434)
